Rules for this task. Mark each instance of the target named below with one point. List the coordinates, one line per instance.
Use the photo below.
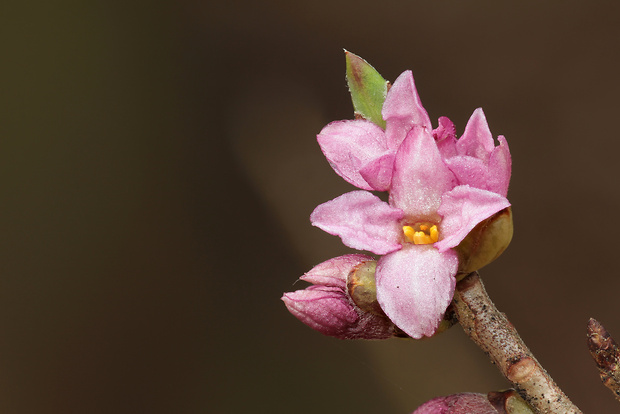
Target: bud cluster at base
(328, 307)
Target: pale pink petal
(420, 176)
(500, 167)
(402, 109)
(445, 135)
(350, 145)
(378, 173)
(415, 286)
(362, 221)
(477, 140)
(462, 209)
(334, 272)
(469, 171)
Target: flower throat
(421, 233)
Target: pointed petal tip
(403, 109)
(477, 140)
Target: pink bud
(327, 306)
(466, 403)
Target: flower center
(421, 233)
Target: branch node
(521, 369)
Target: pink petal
(500, 167)
(362, 221)
(378, 173)
(334, 272)
(415, 286)
(420, 176)
(477, 140)
(494, 176)
(462, 209)
(445, 135)
(351, 145)
(402, 109)
(469, 171)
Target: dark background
(158, 164)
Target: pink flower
(327, 307)
(431, 208)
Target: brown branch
(606, 354)
(496, 336)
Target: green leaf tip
(367, 87)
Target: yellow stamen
(421, 238)
(426, 233)
(434, 233)
(409, 232)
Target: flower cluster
(440, 188)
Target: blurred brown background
(158, 165)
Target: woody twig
(495, 335)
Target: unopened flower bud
(500, 402)
(466, 403)
(327, 306)
(485, 243)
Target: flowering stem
(495, 335)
